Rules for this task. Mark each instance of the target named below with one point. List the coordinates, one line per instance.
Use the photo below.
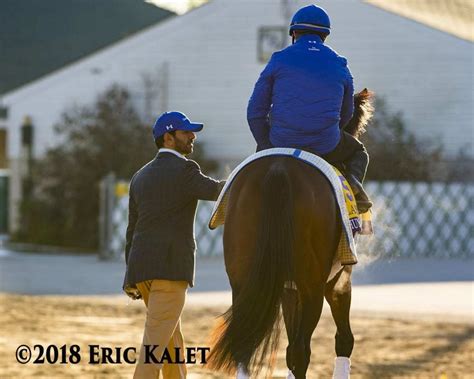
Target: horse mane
(363, 112)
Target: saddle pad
(347, 253)
(351, 204)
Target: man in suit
(160, 246)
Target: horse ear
(366, 95)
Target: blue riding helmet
(313, 18)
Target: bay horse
(282, 229)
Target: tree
(96, 140)
(395, 152)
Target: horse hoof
(342, 368)
(290, 375)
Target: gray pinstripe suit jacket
(162, 206)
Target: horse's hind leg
(291, 316)
(300, 345)
(338, 295)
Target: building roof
(39, 37)
(451, 16)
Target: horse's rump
(282, 224)
(311, 197)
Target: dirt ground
(385, 347)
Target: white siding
(421, 71)
(212, 59)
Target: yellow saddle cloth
(351, 204)
(360, 223)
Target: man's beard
(184, 148)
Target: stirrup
(367, 229)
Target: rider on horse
(305, 96)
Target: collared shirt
(165, 150)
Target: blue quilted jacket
(302, 98)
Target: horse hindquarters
(248, 333)
(318, 229)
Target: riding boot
(356, 168)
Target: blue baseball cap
(171, 121)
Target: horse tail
(248, 331)
(363, 112)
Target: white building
(207, 61)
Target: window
(270, 39)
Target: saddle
(351, 222)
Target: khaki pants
(165, 301)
